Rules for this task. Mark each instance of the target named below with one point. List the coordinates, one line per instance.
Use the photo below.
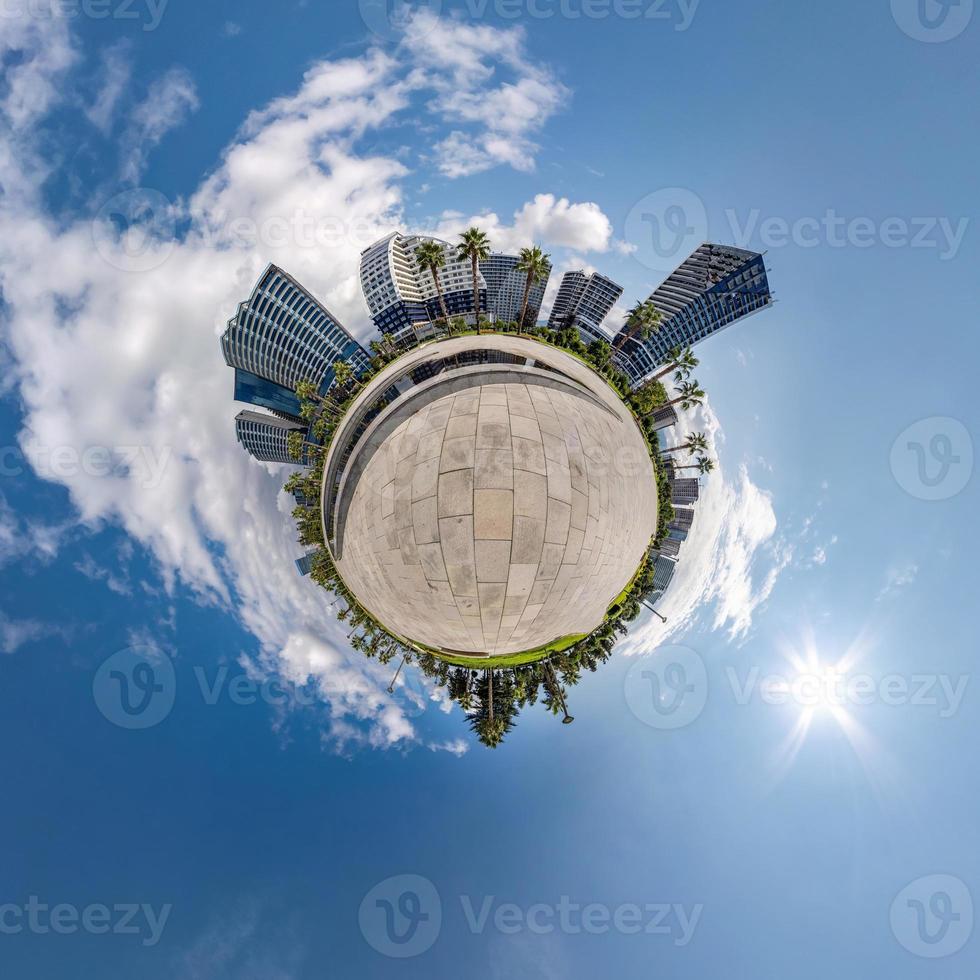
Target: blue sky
(774, 830)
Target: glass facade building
(505, 289)
(584, 301)
(283, 335)
(265, 436)
(401, 296)
(711, 289)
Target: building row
(403, 300)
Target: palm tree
(643, 320)
(474, 246)
(432, 256)
(683, 362)
(703, 465)
(690, 394)
(535, 263)
(344, 374)
(697, 442)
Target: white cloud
(899, 576)
(463, 63)
(548, 221)
(170, 99)
(114, 77)
(732, 558)
(103, 356)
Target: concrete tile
(528, 540)
(573, 546)
(530, 495)
(492, 561)
(425, 520)
(460, 426)
(493, 514)
(493, 469)
(455, 493)
(529, 455)
(457, 454)
(580, 509)
(425, 479)
(466, 403)
(430, 555)
(388, 499)
(492, 435)
(554, 446)
(406, 545)
(559, 483)
(462, 579)
(540, 591)
(525, 428)
(521, 579)
(551, 556)
(430, 446)
(456, 534)
(493, 394)
(559, 515)
(514, 606)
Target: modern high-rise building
(282, 335)
(304, 565)
(402, 297)
(711, 289)
(684, 492)
(670, 547)
(663, 573)
(505, 289)
(265, 436)
(683, 519)
(664, 417)
(584, 301)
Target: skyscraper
(282, 335)
(584, 301)
(401, 296)
(711, 289)
(265, 436)
(505, 288)
(684, 492)
(663, 572)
